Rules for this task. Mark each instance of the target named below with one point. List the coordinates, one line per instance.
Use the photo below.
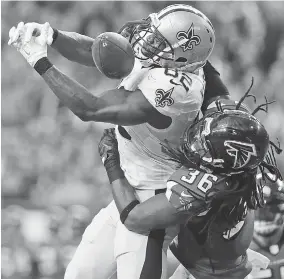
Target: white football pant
(108, 246)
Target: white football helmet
(179, 36)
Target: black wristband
(127, 209)
(114, 173)
(55, 35)
(42, 65)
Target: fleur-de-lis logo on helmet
(189, 37)
(164, 97)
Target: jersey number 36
(204, 180)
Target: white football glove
(257, 260)
(31, 47)
(15, 35)
(26, 31)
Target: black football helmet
(226, 141)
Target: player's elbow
(82, 116)
(131, 221)
(134, 223)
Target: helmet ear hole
(181, 59)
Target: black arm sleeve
(214, 86)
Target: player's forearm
(123, 193)
(110, 107)
(72, 94)
(154, 213)
(142, 218)
(75, 47)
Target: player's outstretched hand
(26, 31)
(31, 47)
(16, 34)
(108, 148)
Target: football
(113, 55)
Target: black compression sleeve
(214, 85)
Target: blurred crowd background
(52, 179)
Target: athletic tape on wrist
(42, 65)
(127, 209)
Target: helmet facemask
(152, 48)
(148, 44)
(197, 148)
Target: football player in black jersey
(268, 237)
(213, 195)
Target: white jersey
(176, 94)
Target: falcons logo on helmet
(188, 38)
(241, 152)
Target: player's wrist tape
(55, 35)
(127, 209)
(114, 173)
(42, 65)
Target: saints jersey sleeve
(187, 189)
(173, 92)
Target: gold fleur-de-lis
(164, 97)
(191, 38)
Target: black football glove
(108, 150)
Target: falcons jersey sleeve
(173, 92)
(187, 188)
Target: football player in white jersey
(165, 91)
